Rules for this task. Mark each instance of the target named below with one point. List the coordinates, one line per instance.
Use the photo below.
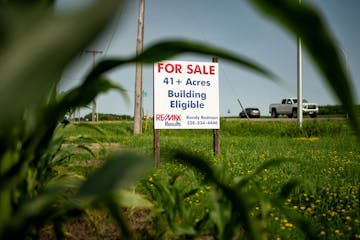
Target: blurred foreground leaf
(119, 170)
(164, 50)
(34, 58)
(92, 87)
(306, 22)
(132, 199)
(36, 45)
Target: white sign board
(186, 95)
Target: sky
(233, 25)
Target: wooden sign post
(216, 132)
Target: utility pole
(138, 75)
(94, 116)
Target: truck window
(288, 101)
(283, 101)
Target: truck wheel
(294, 113)
(274, 113)
(313, 115)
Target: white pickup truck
(288, 106)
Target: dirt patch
(92, 225)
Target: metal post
(299, 83)
(299, 86)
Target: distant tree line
(108, 117)
(334, 110)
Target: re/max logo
(168, 117)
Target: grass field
(307, 185)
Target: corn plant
(173, 211)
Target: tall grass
(291, 129)
(113, 131)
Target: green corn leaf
(132, 199)
(170, 48)
(91, 127)
(32, 62)
(35, 211)
(119, 170)
(117, 215)
(288, 187)
(92, 87)
(304, 21)
(239, 202)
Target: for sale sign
(186, 95)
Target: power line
(116, 23)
